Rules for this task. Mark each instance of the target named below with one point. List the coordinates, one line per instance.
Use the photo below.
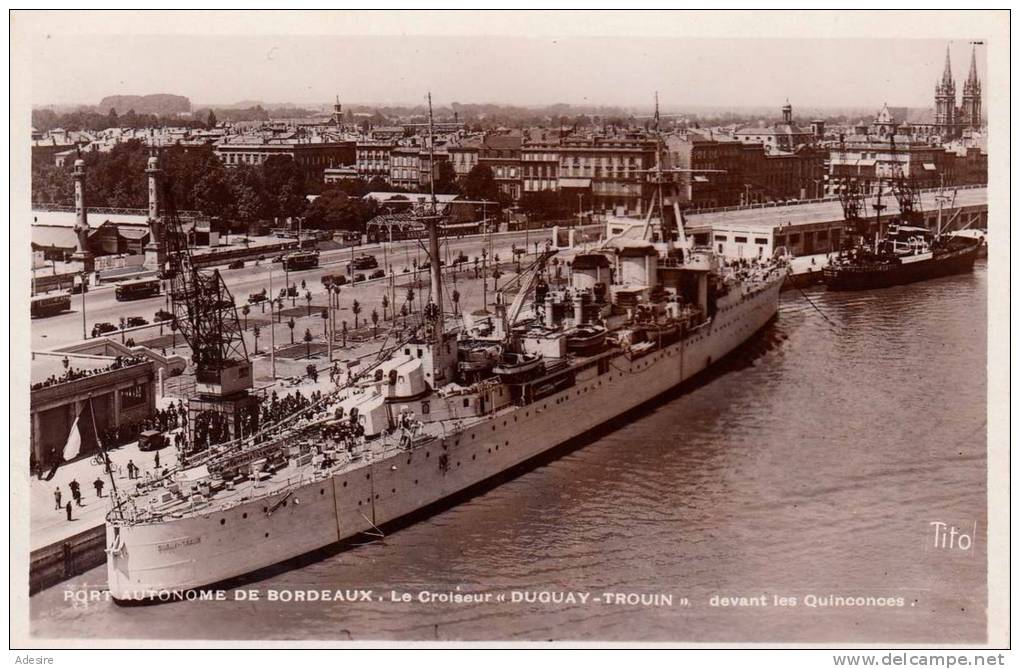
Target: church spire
(947, 73)
(972, 76)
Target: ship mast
(433, 227)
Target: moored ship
(906, 255)
(452, 406)
(877, 255)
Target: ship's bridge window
(378, 375)
(740, 240)
(720, 238)
(761, 240)
(467, 402)
(393, 377)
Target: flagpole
(106, 458)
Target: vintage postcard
(510, 328)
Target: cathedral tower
(945, 101)
(971, 111)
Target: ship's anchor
(278, 504)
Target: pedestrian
(68, 510)
(56, 496)
(131, 469)
(75, 491)
(98, 485)
(157, 459)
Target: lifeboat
(586, 339)
(518, 367)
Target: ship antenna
(433, 228)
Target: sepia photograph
(510, 328)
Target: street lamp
(84, 331)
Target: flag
(73, 445)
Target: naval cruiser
(454, 404)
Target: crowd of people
(277, 408)
(73, 373)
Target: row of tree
(240, 196)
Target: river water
(810, 466)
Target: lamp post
(84, 331)
(272, 325)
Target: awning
(57, 236)
(929, 166)
(133, 233)
(575, 182)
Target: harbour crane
(206, 317)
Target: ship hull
(150, 559)
(869, 277)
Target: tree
(385, 305)
(256, 331)
(291, 324)
(308, 343)
(375, 322)
(455, 297)
(446, 178)
(245, 310)
(210, 120)
(355, 309)
(308, 300)
(480, 183)
(284, 181)
(336, 210)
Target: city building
(463, 157)
(502, 154)
(405, 167)
(335, 175)
(312, 157)
(868, 159)
(779, 137)
(104, 384)
(616, 168)
(373, 159)
(722, 172)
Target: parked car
(151, 440)
(136, 321)
(162, 315)
(255, 298)
(100, 329)
(358, 277)
(330, 279)
(461, 258)
(278, 258)
(378, 274)
(237, 264)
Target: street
(102, 306)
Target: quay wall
(68, 557)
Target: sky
(471, 68)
